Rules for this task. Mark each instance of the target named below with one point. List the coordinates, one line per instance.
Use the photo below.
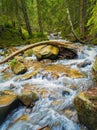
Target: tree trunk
(18, 18)
(82, 17)
(71, 25)
(39, 15)
(26, 17)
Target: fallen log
(55, 43)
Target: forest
(48, 64)
(38, 18)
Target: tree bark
(55, 43)
(39, 16)
(26, 17)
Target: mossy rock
(46, 52)
(95, 65)
(94, 71)
(86, 106)
(18, 67)
(28, 98)
(28, 52)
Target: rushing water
(56, 109)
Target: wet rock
(94, 71)
(47, 52)
(8, 102)
(36, 67)
(28, 98)
(58, 70)
(18, 67)
(86, 106)
(65, 93)
(28, 52)
(95, 65)
(7, 75)
(27, 75)
(84, 64)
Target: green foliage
(12, 63)
(92, 22)
(10, 37)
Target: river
(56, 109)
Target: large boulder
(46, 52)
(94, 70)
(18, 67)
(8, 102)
(28, 98)
(86, 106)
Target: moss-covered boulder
(18, 67)
(95, 65)
(46, 52)
(28, 98)
(8, 102)
(28, 52)
(86, 106)
(94, 70)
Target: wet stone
(86, 106)
(65, 93)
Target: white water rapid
(56, 109)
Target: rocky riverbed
(44, 92)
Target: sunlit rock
(28, 52)
(28, 98)
(36, 67)
(86, 106)
(46, 52)
(58, 70)
(8, 102)
(18, 67)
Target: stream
(55, 108)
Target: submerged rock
(46, 52)
(84, 64)
(8, 102)
(86, 106)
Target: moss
(87, 111)
(12, 63)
